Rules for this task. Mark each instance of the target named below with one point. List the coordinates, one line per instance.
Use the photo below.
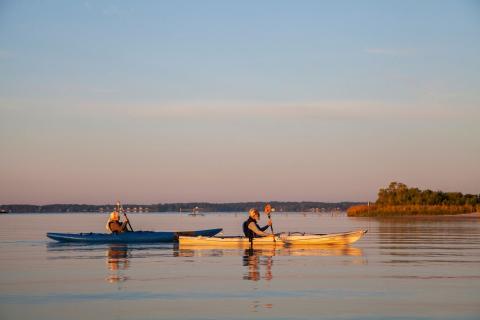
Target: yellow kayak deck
(332, 239)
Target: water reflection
(117, 256)
(258, 306)
(117, 262)
(325, 251)
(296, 250)
(429, 240)
(259, 262)
(257, 259)
(253, 259)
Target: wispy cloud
(389, 51)
(111, 10)
(103, 91)
(285, 112)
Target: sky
(226, 101)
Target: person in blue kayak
(251, 229)
(114, 224)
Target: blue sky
(156, 101)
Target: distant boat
(4, 211)
(196, 212)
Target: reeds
(399, 210)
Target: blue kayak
(129, 237)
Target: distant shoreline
(188, 207)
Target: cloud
(389, 52)
(281, 111)
(114, 11)
(285, 112)
(111, 10)
(103, 91)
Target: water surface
(404, 268)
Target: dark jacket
(249, 233)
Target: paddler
(114, 224)
(251, 229)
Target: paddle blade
(267, 209)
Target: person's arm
(255, 230)
(269, 223)
(264, 228)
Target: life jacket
(116, 226)
(113, 222)
(249, 233)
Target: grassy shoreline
(409, 210)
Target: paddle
(120, 208)
(268, 209)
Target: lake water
(404, 268)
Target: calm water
(404, 268)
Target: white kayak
(296, 238)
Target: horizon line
(163, 203)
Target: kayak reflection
(323, 251)
(118, 257)
(259, 262)
(297, 250)
(117, 261)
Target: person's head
(254, 214)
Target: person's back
(114, 224)
(246, 230)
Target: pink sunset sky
(226, 102)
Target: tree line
(399, 194)
(398, 199)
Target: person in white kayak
(251, 229)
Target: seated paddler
(114, 224)
(251, 229)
